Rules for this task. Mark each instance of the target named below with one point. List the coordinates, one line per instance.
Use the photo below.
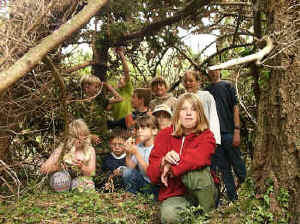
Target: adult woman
(180, 161)
(79, 160)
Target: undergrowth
(45, 206)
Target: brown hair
(143, 93)
(148, 121)
(158, 80)
(196, 74)
(119, 133)
(202, 122)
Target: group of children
(150, 148)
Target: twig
(240, 99)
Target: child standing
(159, 89)
(137, 156)
(163, 115)
(95, 104)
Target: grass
(50, 207)
(46, 206)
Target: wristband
(237, 127)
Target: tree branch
(80, 66)
(156, 26)
(35, 55)
(223, 50)
(253, 57)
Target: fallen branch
(257, 57)
(36, 54)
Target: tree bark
(277, 144)
(36, 54)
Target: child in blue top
(137, 157)
(114, 162)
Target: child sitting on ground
(163, 115)
(114, 162)
(137, 156)
(78, 163)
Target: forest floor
(41, 205)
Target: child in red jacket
(180, 161)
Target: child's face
(80, 140)
(190, 83)
(135, 101)
(145, 134)
(159, 89)
(117, 146)
(188, 116)
(91, 88)
(163, 118)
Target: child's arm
(120, 52)
(141, 161)
(90, 168)
(130, 151)
(51, 163)
(116, 96)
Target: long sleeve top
(210, 110)
(195, 152)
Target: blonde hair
(89, 79)
(202, 122)
(78, 128)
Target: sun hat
(162, 107)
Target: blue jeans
(225, 157)
(135, 182)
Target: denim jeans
(135, 182)
(226, 157)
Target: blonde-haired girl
(180, 161)
(78, 162)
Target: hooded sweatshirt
(195, 152)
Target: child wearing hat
(163, 115)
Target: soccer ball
(60, 181)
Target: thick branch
(36, 54)
(253, 57)
(78, 67)
(187, 57)
(221, 52)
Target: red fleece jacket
(196, 153)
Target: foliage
(43, 205)
(50, 207)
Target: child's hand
(78, 163)
(172, 157)
(166, 173)
(130, 148)
(95, 139)
(119, 50)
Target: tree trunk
(277, 144)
